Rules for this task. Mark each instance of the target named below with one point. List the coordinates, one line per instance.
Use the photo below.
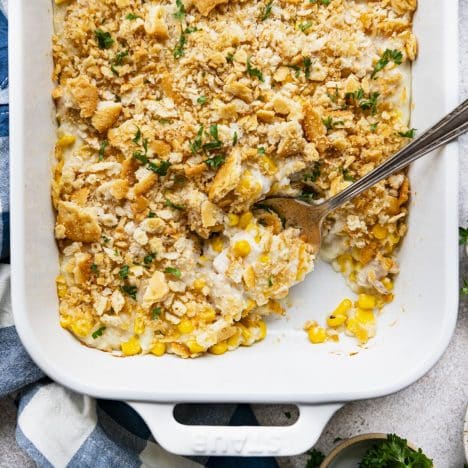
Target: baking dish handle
(238, 441)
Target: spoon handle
(444, 131)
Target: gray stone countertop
(430, 413)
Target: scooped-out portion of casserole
(176, 117)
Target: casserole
(413, 332)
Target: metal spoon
(309, 218)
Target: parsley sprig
(388, 56)
(322, 2)
(215, 161)
(102, 150)
(179, 49)
(394, 452)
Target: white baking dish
(413, 331)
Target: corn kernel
(66, 140)
(251, 304)
(343, 307)
(131, 347)
(219, 348)
(241, 248)
(199, 284)
(394, 239)
(65, 321)
(245, 332)
(158, 348)
(208, 314)
(334, 321)
(195, 347)
(317, 335)
(81, 327)
(245, 219)
(365, 316)
(234, 340)
(268, 165)
(366, 301)
(344, 261)
(185, 327)
(388, 283)
(233, 219)
(59, 2)
(264, 258)
(62, 290)
(217, 244)
(388, 298)
(139, 326)
(379, 232)
(263, 330)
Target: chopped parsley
(180, 13)
(151, 214)
(270, 282)
(161, 168)
(105, 239)
(136, 139)
(216, 161)
(261, 150)
(322, 2)
(102, 150)
(155, 313)
(98, 332)
(94, 268)
(307, 64)
(179, 49)
(333, 97)
(215, 143)
(330, 123)
(254, 72)
(132, 16)
(411, 133)
(347, 175)
(463, 235)
(314, 174)
(149, 258)
(305, 26)
(388, 56)
(123, 273)
(368, 102)
(230, 57)
(118, 60)
(196, 144)
(129, 290)
(315, 458)
(171, 204)
(104, 39)
(173, 271)
(373, 127)
(234, 139)
(202, 100)
(266, 11)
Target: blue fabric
(120, 435)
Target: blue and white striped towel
(57, 427)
